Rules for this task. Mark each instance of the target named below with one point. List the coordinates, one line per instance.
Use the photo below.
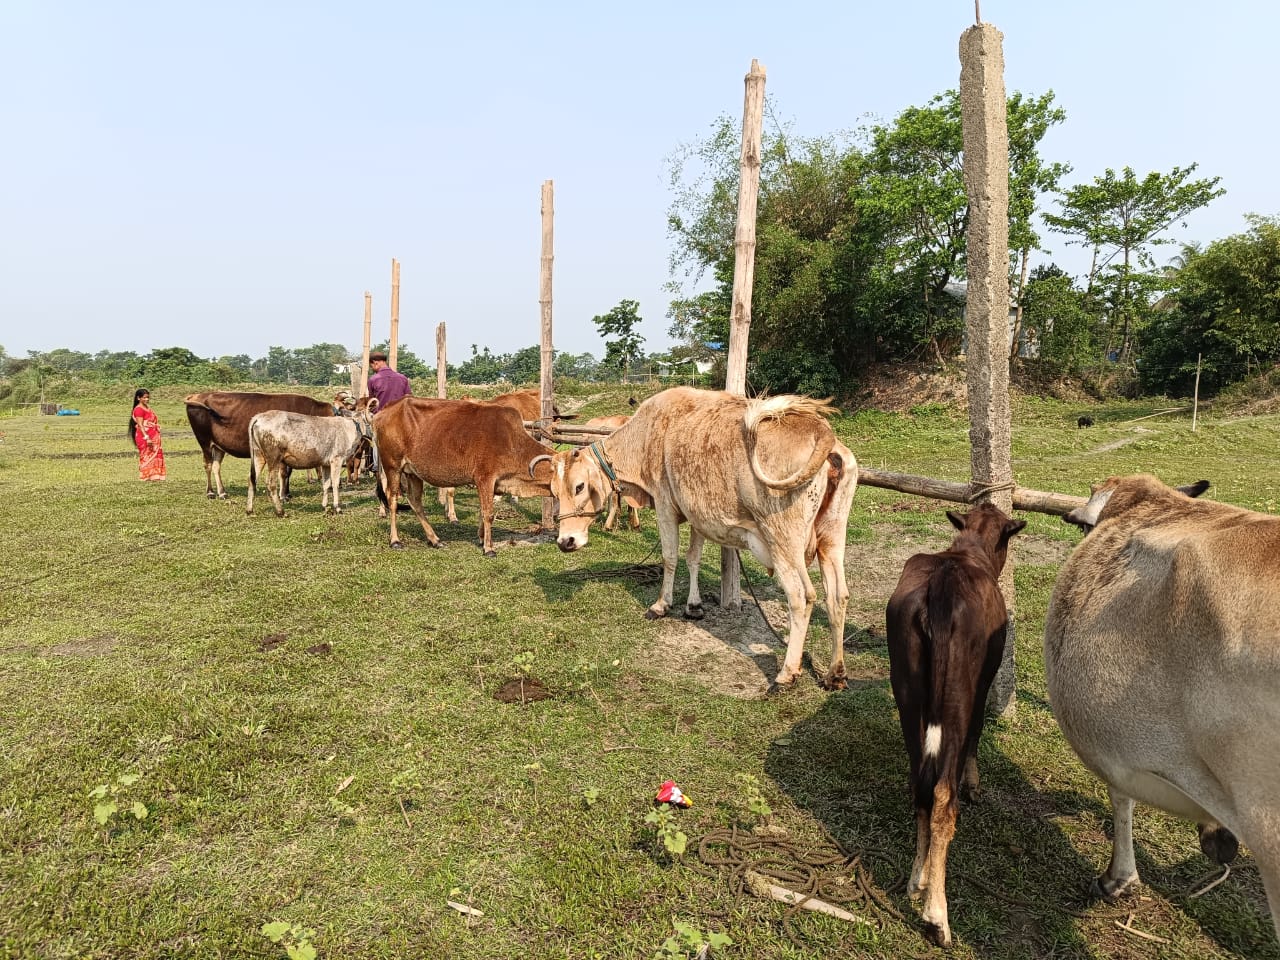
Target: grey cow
(279, 439)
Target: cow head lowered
(1091, 514)
(582, 488)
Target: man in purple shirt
(385, 384)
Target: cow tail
(941, 612)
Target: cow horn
(534, 462)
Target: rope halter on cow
(607, 467)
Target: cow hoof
(939, 935)
(210, 494)
(835, 683)
(694, 612)
(776, 688)
(1112, 890)
(491, 553)
(652, 614)
(438, 545)
(222, 496)
(397, 545)
(1219, 844)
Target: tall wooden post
(986, 178)
(544, 300)
(744, 269)
(364, 358)
(394, 342)
(442, 366)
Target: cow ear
(1194, 489)
(957, 519)
(1013, 527)
(373, 404)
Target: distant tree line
(861, 252)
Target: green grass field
(312, 723)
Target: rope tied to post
(978, 493)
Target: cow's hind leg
(414, 493)
(942, 827)
(215, 464)
(275, 487)
(835, 589)
(1122, 873)
(793, 577)
(693, 560)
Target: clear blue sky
(232, 176)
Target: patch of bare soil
(271, 642)
(899, 388)
(522, 690)
(733, 654)
(321, 649)
(85, 647)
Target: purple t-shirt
(389, 386)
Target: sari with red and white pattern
(146, 434)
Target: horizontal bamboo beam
(1037, 501)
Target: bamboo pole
(744, 266)
(1195, 400)
(364, 358)
(544, 301)
(442, 366)
(983, 111)
(394, 342)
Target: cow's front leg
(693, 560)
(669, 537)
(1122, 873)
(794, 579)
(391, 484)
(485, 489)
(329, 478)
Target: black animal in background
(1085, 421)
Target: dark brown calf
(946, 624)
(455, 443)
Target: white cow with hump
(1162, 654)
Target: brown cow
(450, 443)
(618, 499)
(946, 625)
(1162, 656)
(768, 476)
(527, 403)
(220, 421)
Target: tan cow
(1162, 653)
(618, 500)
(766, 476)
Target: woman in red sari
(144, 426)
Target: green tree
(620, 323)
(1121, 217)
(581, 366)
(1054, 313)
(857, 239)
(525, 366)
(1226, 309)
(481, 367)
(314, 365)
